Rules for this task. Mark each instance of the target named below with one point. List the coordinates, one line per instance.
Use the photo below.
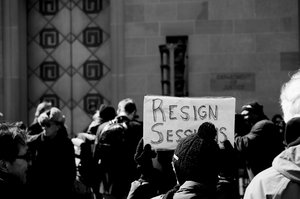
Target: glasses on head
(26, 157)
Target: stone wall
(13, 77)
(240, 48)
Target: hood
(192, 189)
(288, 163)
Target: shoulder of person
(263, 125)
(158, 197)
(101, 127)
(34, 138)
(265, 122)
(135, 123)
(268, 179)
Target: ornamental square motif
(92, 103)
(48, 7)
(54, 99)
(92, 70)
(49, 71)
(92, 6)
(49, 38)
(92, 37)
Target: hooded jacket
(281, 180)
(259, 147)
(188, 190)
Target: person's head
(252, 113)
(277, 119)
(106, 113)
(290, 97)
(292, 132)
(14, 158)
(51, 121)
(207, 131)
(195, 157)
(127, 107)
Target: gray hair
(290, 97)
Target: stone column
(117, 50)
(13, 72)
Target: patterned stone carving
(49, 71)
(92, 37)
(49, 38)
(93, 70)
(92, 6)
(48, 7)
(54, 99)
(92, 102)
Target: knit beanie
(196, 156)
(292, 132)
(254, 107)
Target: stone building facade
(80, 53)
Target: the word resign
(184, 112)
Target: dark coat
(11, 188)
(53, 168)
(227, 186)
(123, 169)
(260, 146)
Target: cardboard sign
(169, 119)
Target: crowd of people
(109, 159)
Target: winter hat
(195, 157)
(42, 107)
(51, 115)
(253, 107)
(106, 112)
(292, 132)
(207, 131)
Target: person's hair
(12, 136)
(106, 112)
(290, 97)
(52, 115)
(127, 105)
(42, 107)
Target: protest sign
(169, 119)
